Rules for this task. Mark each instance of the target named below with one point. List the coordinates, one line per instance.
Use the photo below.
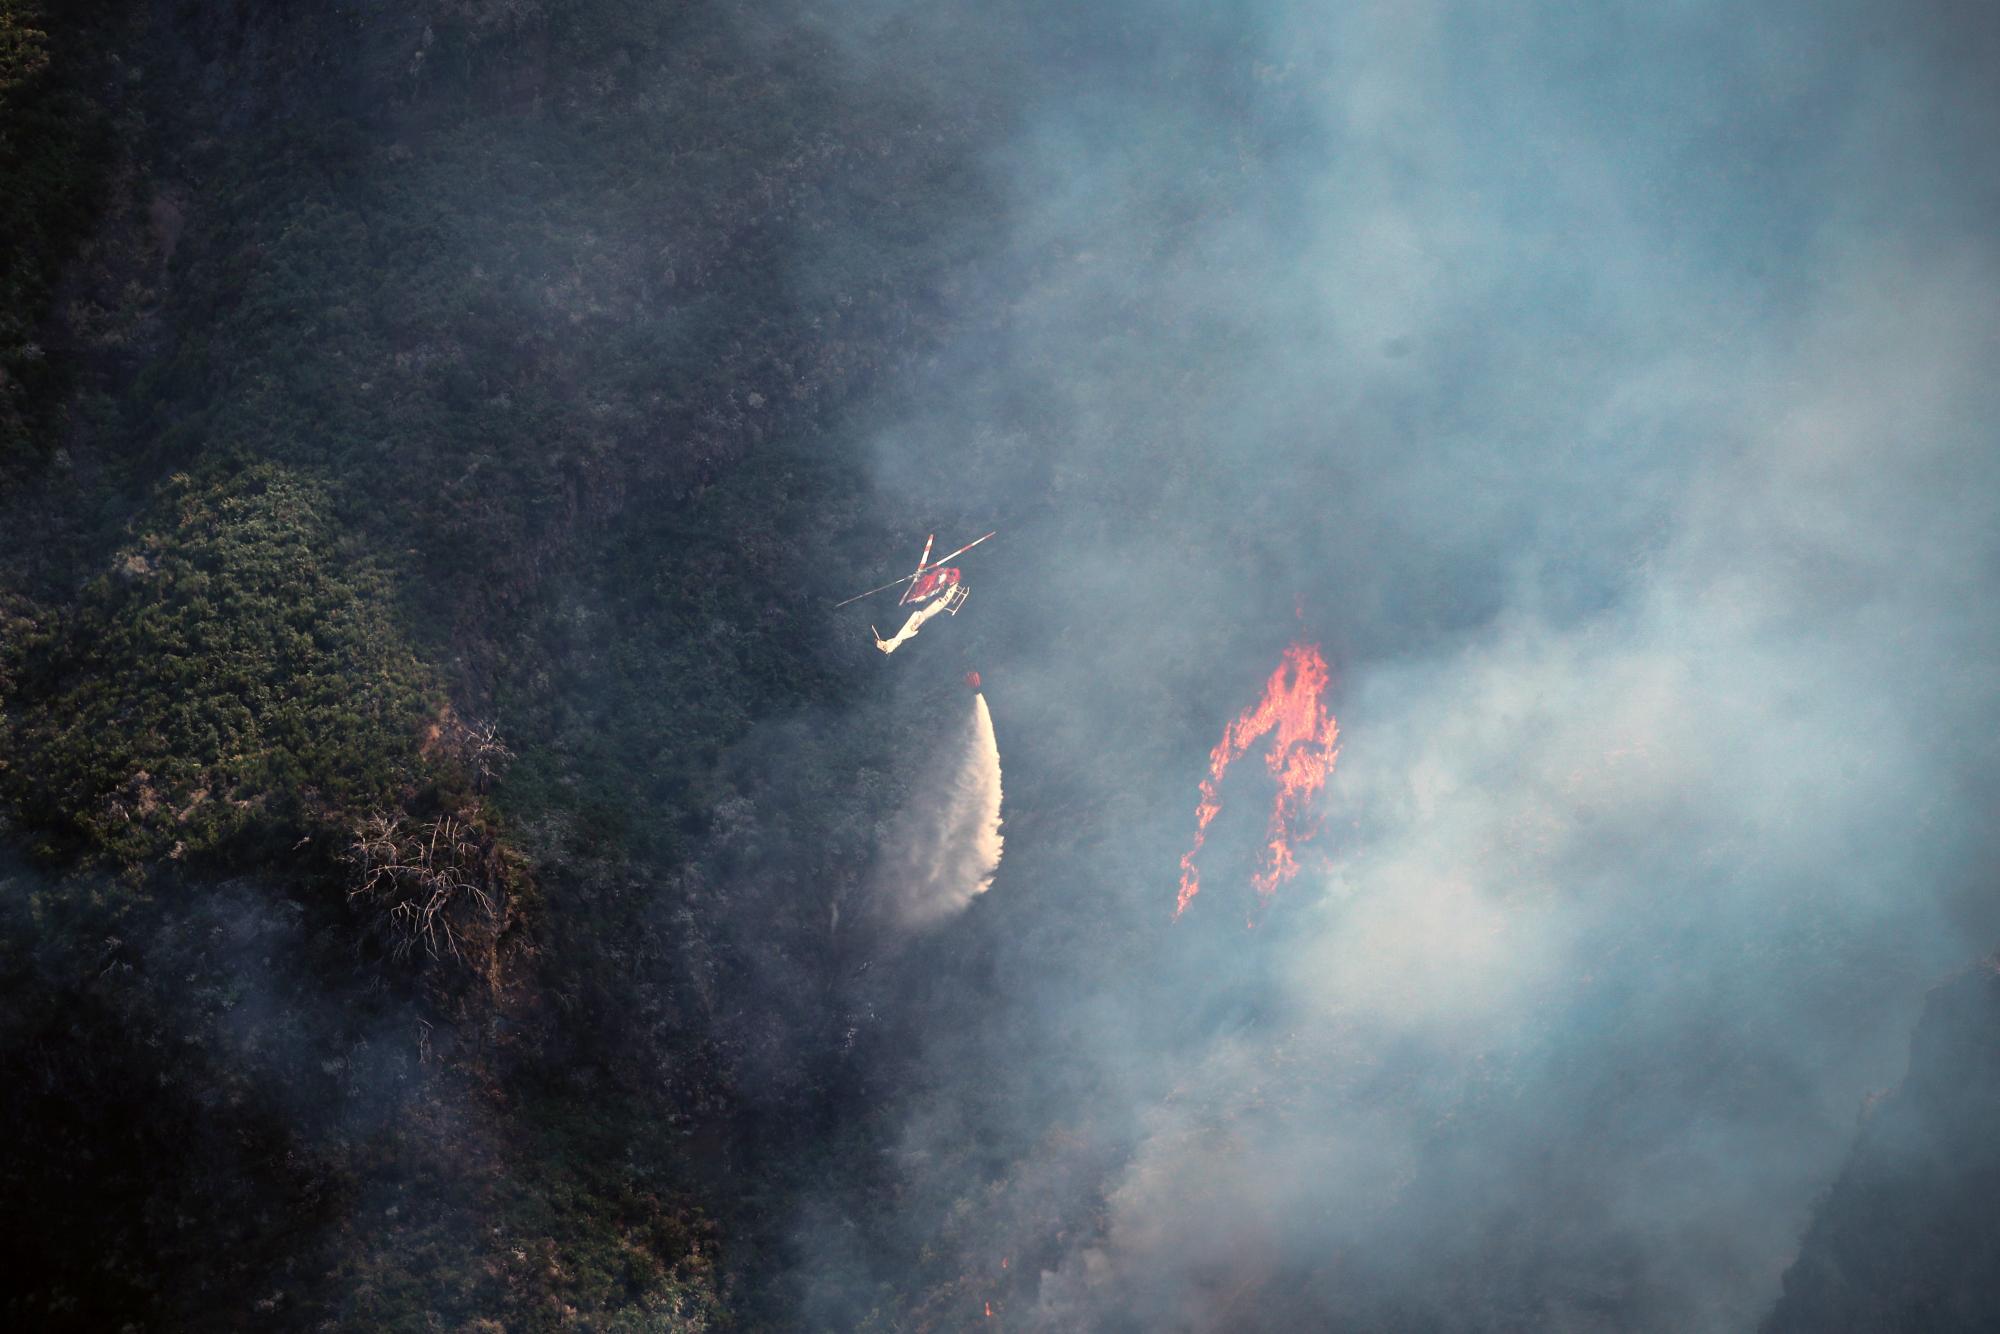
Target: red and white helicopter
(933, 587)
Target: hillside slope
(1908, 1237)
(415, 481)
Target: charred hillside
(1908, 1237)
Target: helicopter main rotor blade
(873, 591)
(967, 547)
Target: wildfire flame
(1301, 757)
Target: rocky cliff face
(1909, 1236)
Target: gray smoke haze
(1611, 392)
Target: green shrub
(232, 681)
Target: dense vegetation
(409, 423)
(226, 690)
(55, 151)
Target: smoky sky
(1608, 388)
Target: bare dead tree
(420, 875)
(487, 755)
(469, 742)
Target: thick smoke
(1611, 393)
(945, 848)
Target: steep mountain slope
(439, 808)
(1909, 1238)
(413, 485)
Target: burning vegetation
(1304, 744)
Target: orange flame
(989, 1310)
(1301, 757)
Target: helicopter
(934, 587)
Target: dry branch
(419, 875)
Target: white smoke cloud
(946, 848)
(1615, 401)
(1658, 846)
